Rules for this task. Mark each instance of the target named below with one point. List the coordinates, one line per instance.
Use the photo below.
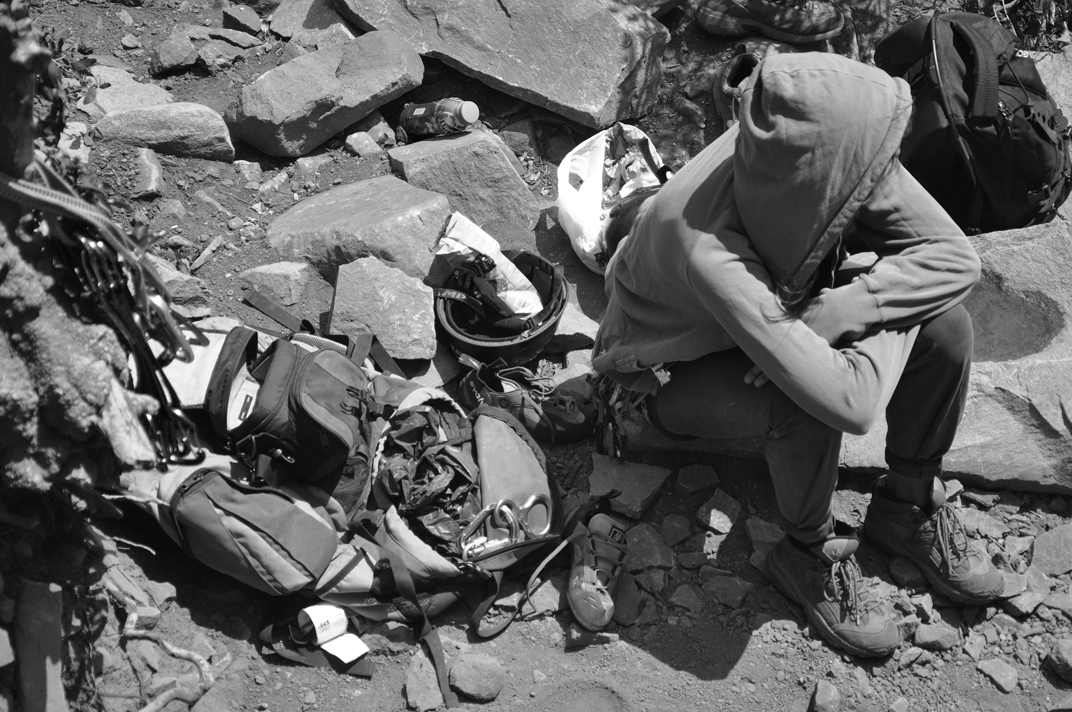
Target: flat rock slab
(180, 129)
(719, 513)
(1003, 675)
(1053, 551)
(638, 484)
(728, 590)
(473, 172)
(38, 629)
(292, 109)
(303, 16)
(117, 90)
(371, 297)
(242, 18)
(180, 50)
(592, 61)
(294, 285)
(647, 550)
(763, 536)
(382, 216)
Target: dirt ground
(757, 657)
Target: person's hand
(828, 319)
(756, 377)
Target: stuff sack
(987, 140)
(299, 409)
(594, 176)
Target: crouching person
(723, 310)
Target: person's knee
(949, 336)
(787, 418)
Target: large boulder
(1015, 432)
(472, 170)
(593, 61)
(180, 129)
(292, 109)
(385, 217)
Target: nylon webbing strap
(416, 617)
(356, 348)
(274, 311)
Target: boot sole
(789, 588)
(718, 23)
(895, 547)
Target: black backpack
(987, 140)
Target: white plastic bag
(591, 181)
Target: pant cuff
(920, 469)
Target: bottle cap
(469, 112)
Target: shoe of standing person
(933, 538)
(796, 22)
(841, 605)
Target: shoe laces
(951, 537)
(851, 590)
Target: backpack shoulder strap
(983, 80)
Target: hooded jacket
(746, 223)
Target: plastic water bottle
(436, 118)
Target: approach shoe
(598, 551)
(730, 83)
(787, 21)
(935, 540)
(547, 414)
(840, 603)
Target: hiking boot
(598, 551)
(788, 21)
(840, 604)
(731, 82)
(934, 539)
(548, 415)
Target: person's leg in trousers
(812, 565)
(908, 514)
(923, 415)
(709, 398)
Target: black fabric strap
(416, 617)
(356, 348)
(273, 310)
(983, 95)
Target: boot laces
(951, 538)
(849, 588)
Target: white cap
(469, 112)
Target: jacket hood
(817, 133)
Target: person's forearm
(926, 264)
(842, 389)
